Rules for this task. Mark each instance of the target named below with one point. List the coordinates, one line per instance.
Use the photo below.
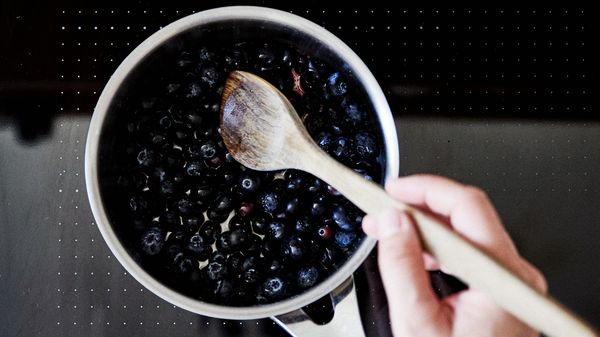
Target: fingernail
(390, 223)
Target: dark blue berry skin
(345, 219)
(238, 239)
(152, 241)
(216, 270)
(307, 276)
(209, 77)
(187, 207)
(238, 222)
(224, 243)
(192, 224)
(169, 219)
(197, 246)
(276, 230)
(224, 289)
(336, 85)
(344, 239)
(194, 168)
(271, 248)
(210, 230)
(260, 223)
(366, 147)
(303, 225)
(274, 288)
(147, 158)
(325, 141)
(328, 258)
(293, 206)
(295, 248)
(341, 148)
(249, 183)
(353, 113)
(270, 202)
(235, 261)
(208, 150)
(251, 276)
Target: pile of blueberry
(213, 229)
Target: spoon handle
(455, 253)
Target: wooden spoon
(262, 131)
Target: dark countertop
(503, 100)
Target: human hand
(414, 308)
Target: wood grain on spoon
(262, 131)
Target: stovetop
(500, 97)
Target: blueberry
(235, 261)
(246, 209)
(198, 247)
(328, 257)
(204, 192)
(303, 225)
(295, 248)
(210, 230)
(274, 288)
(344, 239)
(254, 245)
(271, 248)
(275, 266)
(205, 55)
(192, 150)
(250, 262)
(325, 141)
(251, 276)
(168, 187)
(365, 145)
(270, 201)
(249, 183)
(152, 241)
(319, 206)
(260, 223)
(218, 256)
(187, 207)
(266, 57)
(209, 77)
(314, 185)
(208, 150)
(169, 219)
(216, 270)
(276, 230)
(147, 158)
(138, 204)
(345, 219)
(224, 289)
(293, 206)
(336, 85)
(192, 224)
(238, 222)
(341, 148)
(194, 168)
(324, 232)
(353, 114)
(307, 276)
(224, 243)
(223, 203)
(238, 239)
(179, 236)
(180, 262)
(237, 58)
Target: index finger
(468, 208)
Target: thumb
(410, 297)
